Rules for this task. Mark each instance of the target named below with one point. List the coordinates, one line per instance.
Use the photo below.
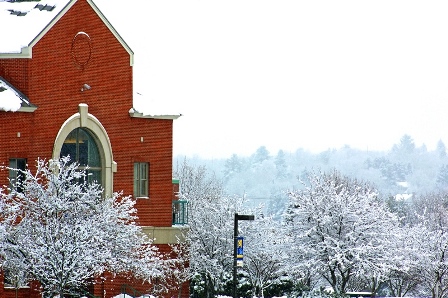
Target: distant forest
(265, 177)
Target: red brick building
(66, 87)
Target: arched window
(82, 148)
(84, 138)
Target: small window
(141, 170)
(15, 279)
(16, 175)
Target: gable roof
(28, 20)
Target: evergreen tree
(280, 165)
(441, 149)
(232, 167)
(260, 155)
(406, 145)
(442, 177)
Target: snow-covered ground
(128, 296)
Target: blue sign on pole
(239, 251)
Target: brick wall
(15, 71)
(53, 79)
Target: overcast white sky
(291, 74)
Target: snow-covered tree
(441, 149)
(442, 177)
(435, 273)
(408, 250)
(66, 234)
(260, 155)
(406, 145)
(264, 254)
(281, 165)
(210, 220)
(433, 242)
(232, 167)
(340, 229)
(178, 263)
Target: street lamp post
(235, 244)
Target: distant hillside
(265, 176)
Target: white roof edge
(140, 115)
(25, 52)
(114, 32)
(27, 109)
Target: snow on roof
(149, 108)
(23, 21)
(10, 98)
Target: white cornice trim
(25, 52)
(27, 109)
(135, 114)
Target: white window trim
(86, 120)
(138, 195)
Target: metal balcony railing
(180, 212)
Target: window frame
(141, 179)
(11, 281)
(84, 119)
(78, 135)
(13, 175)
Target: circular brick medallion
(81, 49)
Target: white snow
(153, 107)
(21, 30)
(81, 239)
(9, 99)
(403, 184)
(122, 296)
(403, 196)
(127, 296)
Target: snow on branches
(340, 229)
(60, 230)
